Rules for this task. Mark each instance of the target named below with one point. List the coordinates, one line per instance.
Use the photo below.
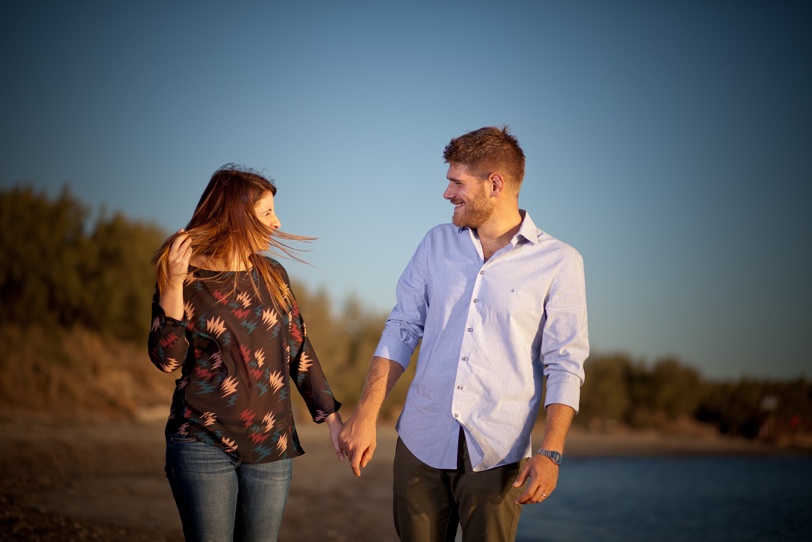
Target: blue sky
(669, 142)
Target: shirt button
(465, 358)
(459, 387)
(456, 415)
(470, 329)
(476, 300)
(482, 272)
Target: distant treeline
(64, 268)
(60, 268)
(635, 394)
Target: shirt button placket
(459, 387)
(463, 358)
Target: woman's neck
(219, 264)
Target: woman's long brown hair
(224, 227)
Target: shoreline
(640, 443)
(103, 479)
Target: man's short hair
(489, 150)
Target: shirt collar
(527, 231)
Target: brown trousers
(429, 503)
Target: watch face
(554, 456)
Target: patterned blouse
(237, 356)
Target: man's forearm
(383, 374)
(556, 426)
(539, 474)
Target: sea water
(706, 499)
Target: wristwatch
(555, 457)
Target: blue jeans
(221, 499)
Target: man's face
(470, 196)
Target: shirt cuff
(158, 311)
(390, 347)
(566, 392)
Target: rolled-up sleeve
(405, 324)
(565, 343)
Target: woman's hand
(180, 252)
(335, 424)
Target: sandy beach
(103, 480)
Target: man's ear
(497, 183)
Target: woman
(225, 315)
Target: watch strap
(552, 455)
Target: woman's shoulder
(274, 262)
(275, 265)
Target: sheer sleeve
(306, 371)
(167, 344)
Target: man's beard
(474, 213)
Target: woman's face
(266, 214)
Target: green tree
(54, 272)
(605, 398)
(675, 389)
(119, 280)
(43, 246)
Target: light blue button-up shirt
(490, 330)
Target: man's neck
(498, 230)
(500, 227)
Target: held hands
(334, 424)
(541, 476)
(358, 439)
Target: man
(499, 304)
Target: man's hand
(539, 473)
(541, 476)
(358, 440)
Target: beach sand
(104, 480)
